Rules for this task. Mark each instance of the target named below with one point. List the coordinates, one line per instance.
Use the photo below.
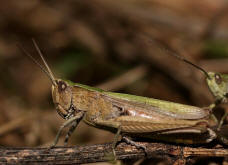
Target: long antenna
(174, 53)
(44, 61)
(37, 63)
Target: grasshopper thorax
(217, 84)
(62, 98)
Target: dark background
(104, 43)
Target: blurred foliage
(72, 62)
(216, 49)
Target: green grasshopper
(127, 115)
(217, 83)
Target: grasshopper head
(62, 98)
(61, 90)
(218, 85)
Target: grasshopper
(127, 115)
(216, 82)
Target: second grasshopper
(216, 82)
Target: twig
(98, 153)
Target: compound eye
(218, 79)
(61, 86)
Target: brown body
(102, 110)
(128, 115)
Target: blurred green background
(106, 44)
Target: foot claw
(131, 142)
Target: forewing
(149, 105)
(176, 110)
